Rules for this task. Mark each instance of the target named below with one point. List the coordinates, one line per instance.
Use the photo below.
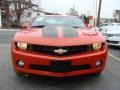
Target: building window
(29, 14)
(38, 14)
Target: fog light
(20, 63)
(98, 63)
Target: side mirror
(26, 25)
(89, 25)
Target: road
(108, 80)
(6, 36)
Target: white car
(109, 24)
(113, 36)
(104, 29)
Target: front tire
(22, 74)
(97, 74)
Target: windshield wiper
(39, 26)
(76, 26)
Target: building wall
(29, 15)
(35, 14)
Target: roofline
(58, 15)
(21, 2)
(45, 12)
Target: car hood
(111, 28)
(59, 36)
(113, 31)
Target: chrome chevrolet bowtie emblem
(60, 51)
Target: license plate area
(60, 66)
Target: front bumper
(115, 41)
(31, 58)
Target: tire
(22, 74)
(97, 74)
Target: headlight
(102, 29)
(97, 46)
(21, 45)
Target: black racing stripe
(49, 31)
(70, 32)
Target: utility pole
(0, 18)
(73, 9)
(99, 11)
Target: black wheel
(18, 73)
(97, 74)
(22, 74)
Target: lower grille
(114, 42)
(60, 67)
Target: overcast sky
(82, 6)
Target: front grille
(114, 42)
(60, 67)
(50, 50)
(111, 35)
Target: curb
(8, 29)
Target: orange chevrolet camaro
(59, 46)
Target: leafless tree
(72, 12)
(20, 6)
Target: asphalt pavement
(6, 35)
(108, 80)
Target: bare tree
(72, 12)
(20, 6)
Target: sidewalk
(14, 29)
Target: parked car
(104, 29)
(113, 36)
(109, 24)
(59, 46)
(104, 24)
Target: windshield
(58, 20)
